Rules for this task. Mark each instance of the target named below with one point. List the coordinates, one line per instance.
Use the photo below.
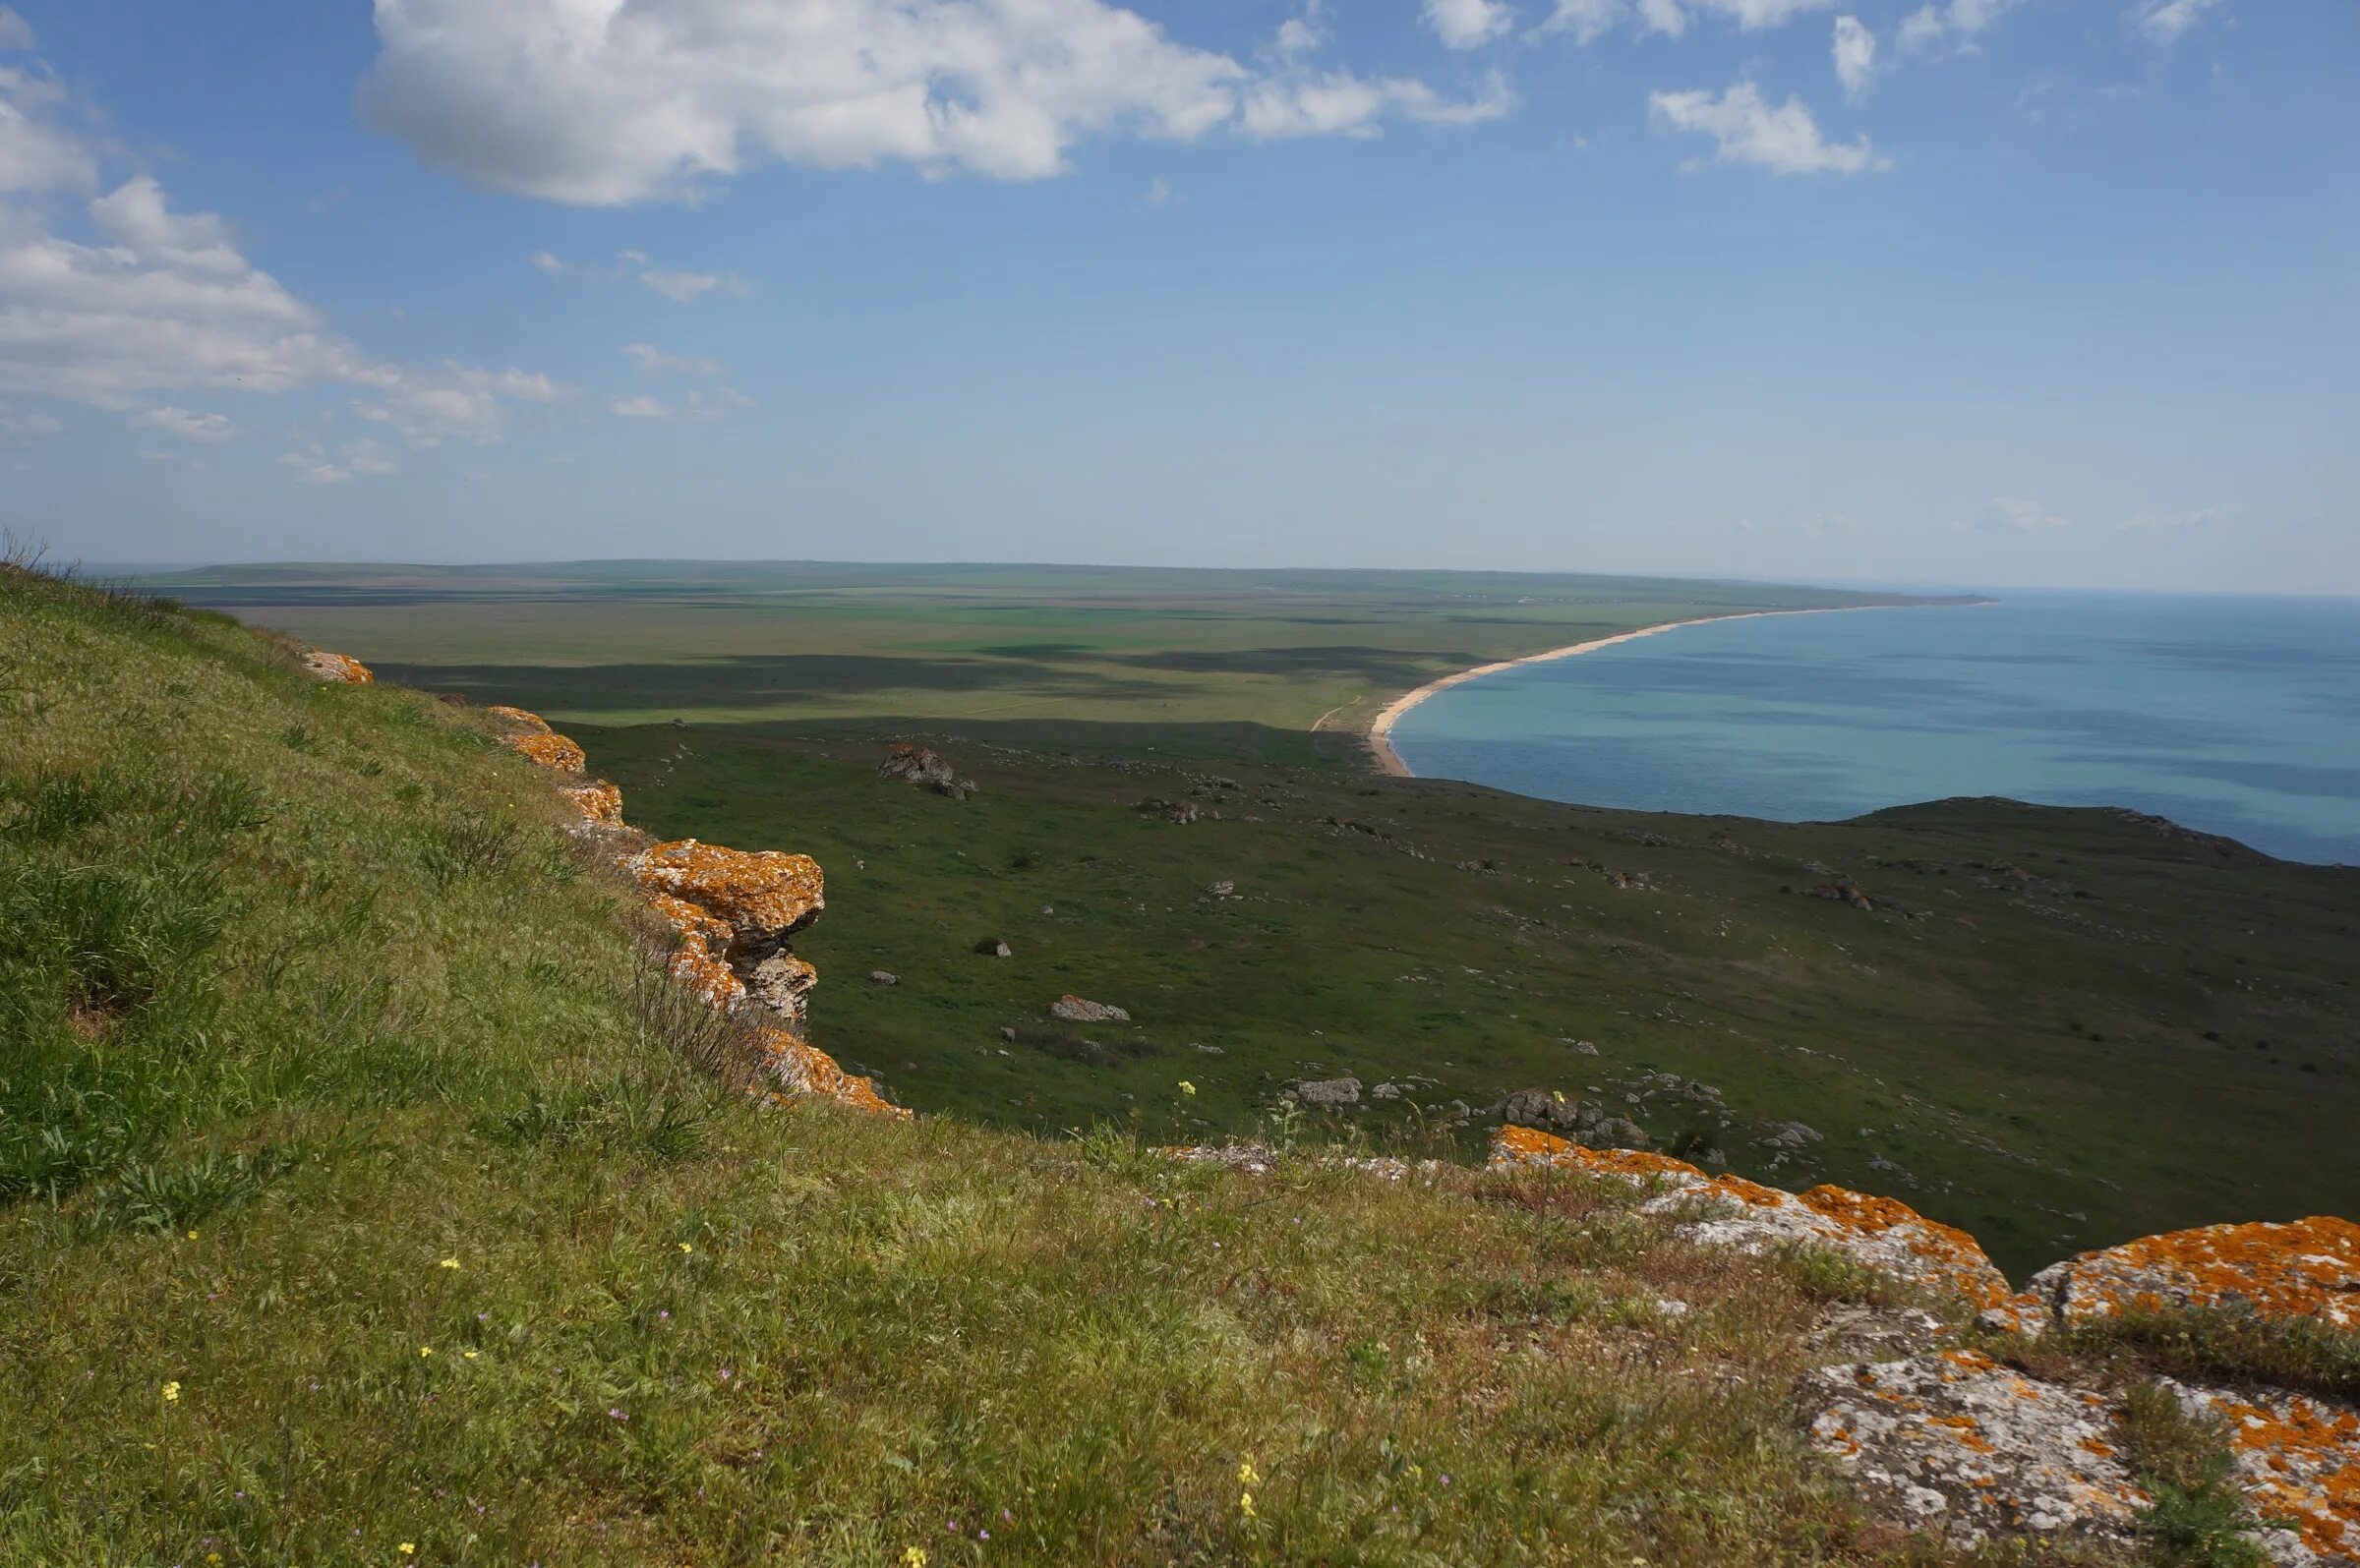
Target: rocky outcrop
(1969, 1449)
(2308, 1269)
(926, 769)
(337, 669)
(733, 913)
(1952, 1440)
(1880, 1233)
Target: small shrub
(2200, 1518)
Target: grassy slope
(321, 1055)
(2102, 1032)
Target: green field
(2058, 1029)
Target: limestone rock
(883, 977)
(2298, 1458)
(2308, 1269)
(1075, 1009)
(926, 768)
(597, 800)
(1970, 1449)
(530, 734)
(337, 669)
(760, 894)
(1328, 1091)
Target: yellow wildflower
(408, 1549)
(467, 1355)
(1245, 1505)
(915, 1557)
(685, 1248)
(424, 1351)
(1186, 1087)
(450, 1262)
(192, 1236)
(171, 1393)
(1246, 1473)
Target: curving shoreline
(1380, 733)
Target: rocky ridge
(1949, 1437)
(733, 913)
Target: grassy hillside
(357, 1205)
(2058, 1029)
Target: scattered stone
(1328, 1091)
(1007, 1034)
(1209, 1050)
(883, 977)
(1385, 1091)
(1844, 891)
(994, 948)
(1220, 889)
(1075, 1009)
(1584, 1047)
(1178, 812)
(924, 767)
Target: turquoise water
(2235, 716)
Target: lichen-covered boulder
(698, 962)
(1966, 1448)
(529, 733)
(337, 669)
(2298, 1458)
(1880, 1233)
(1077, 1010)
(2308, 1269)
(760, 894)
(597, 800)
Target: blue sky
(1988, 291)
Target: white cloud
(2199, 517)
(1855, 56)
(1158, 191)
(160, 300)
(2024, 516)
(1785, 139)
(1468, 23)
(655, 362)
(1585, 18)
(593, 102)
(1338, 103)
(187, 426)
(686, 288)
(2161, 21)
(695, 405)
(315, 464)
(18, 427)
(547, 263)
(14, 32)
(1950, 24)
(1301, 35)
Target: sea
(2232, 715)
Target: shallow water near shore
(2232, 715)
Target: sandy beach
(1381, 729)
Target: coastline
(1381, 729)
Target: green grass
(365, 1191)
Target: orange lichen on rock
(2308, 1269)
(552, 751)
(759, 892)
(598, 801)
(698, 964)
(1943, 1252)
(803, 1070)
(1880, 1232)
(2298, 1458)
(519, 717)
(340, 668)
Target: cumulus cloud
(189, 426)
(1746, 129)
(1468, 23)
(14, 32)
(593, 102)
(2174, 522)
(1855, 56)
(655, 362)
(2162, 22)
(1586, 19)
(315, 464)
(158, 300)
